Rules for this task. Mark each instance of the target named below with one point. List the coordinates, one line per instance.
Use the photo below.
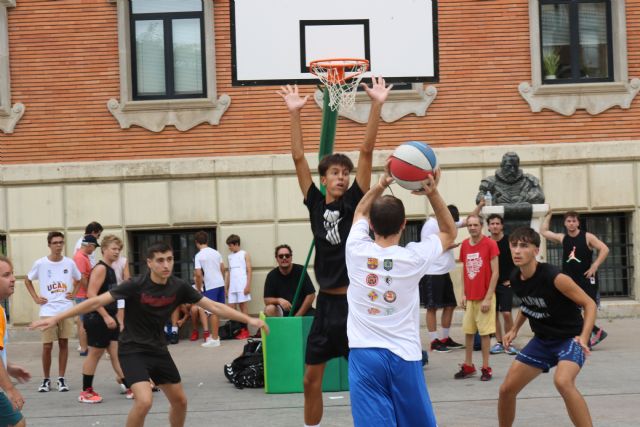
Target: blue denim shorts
(546, 353)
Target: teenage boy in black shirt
(331, 217)
(150, 300)
(551, 301)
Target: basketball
(411, 163)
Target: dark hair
(93, 227)
(283, 246)
(233, 239)
(201, 237)
(53, 234)
(494, 216)
(572, 214)
(335, 159)
(455, 213)
(387, 216)
(526, 235)
(160, 247)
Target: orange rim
(337, 68)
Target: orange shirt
(84, 265)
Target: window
(182, 242)
(167, 39)
(576, 41)
(167, 65)
(9, 115)
(578, 57)
(615, 275)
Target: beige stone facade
(258, 198)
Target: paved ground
(610, 382)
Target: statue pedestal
(537, 215)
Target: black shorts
(436, 291)
(504, 298)
(328, 334)
(139, 367)
(98, 335)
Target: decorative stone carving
(510, 185)
(155, 115)
(399, 104)
(8, 121)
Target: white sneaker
(211, 343)
(123, 388)
(62, 384)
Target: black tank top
(110, 281)
(576, 257)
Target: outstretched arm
(603, 252)
(229, 313)
(364, 206)
(475, 211)
(378, 93)
(92, 304)
(294, 103)
(546, 233)
(448, 231)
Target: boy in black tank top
(577, 259)
(331, 217)
(551, 302)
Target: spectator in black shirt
(551, 301)
(150, 300)
(281, 284)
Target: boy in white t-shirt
(209, 278)
(238, 279)
(387, 385)
(58, 277)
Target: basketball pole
(327, 138)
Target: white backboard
(273, 41)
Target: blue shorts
(215, 294)
(545, 354)
(8, 415)
(388, 391)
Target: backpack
(247, 370)
(229, 330)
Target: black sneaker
(452, 344)
(437, 345)
(173, 338)
(425, 358)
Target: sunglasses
(284, 256)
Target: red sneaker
(486, 374)
(465, 371)
(205, 335)
(194, 335)
(243, 334)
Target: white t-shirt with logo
(445, 262)
(209, 260)
(237, 272)
(56, 280)
(383, 292)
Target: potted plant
(551, 62)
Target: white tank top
(237, 272)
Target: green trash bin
(283, 351)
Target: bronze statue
(510, 185)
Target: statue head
(510, 167)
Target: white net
(341, 77)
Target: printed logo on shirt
(390, 296)
(373, 311)
(388, 280)
(373, 295)
(473, 265)
(372, 279)
(331, 222)
(572, 256)
(372, 263)
(57, 288)
(389, 311)
(65, 271)
(387, 264)
(154, 301)
(49, 274)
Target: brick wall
(64, 68)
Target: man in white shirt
(209, 278)
(386, 382)
(59, 277)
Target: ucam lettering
(57, 287)
(156, 301)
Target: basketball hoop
(341, 77)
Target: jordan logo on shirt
(572, 256)
(331, 222)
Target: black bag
(229, 330)
(247, 370)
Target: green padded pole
(327, 137)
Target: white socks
(445, 333)
(433, 336)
